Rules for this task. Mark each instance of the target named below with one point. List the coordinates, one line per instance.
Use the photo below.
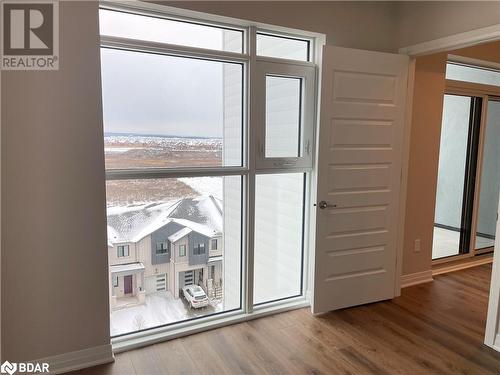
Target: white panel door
(359, 176)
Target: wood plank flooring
(434, 328)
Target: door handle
(324, 204)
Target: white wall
(54, 249)
(421, 21)
(356, 24)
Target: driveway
(160, 308)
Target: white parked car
(195, 296)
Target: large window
(193, 106)
(207, 186)
(279, 223)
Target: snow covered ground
(205, 185)
(161, 142)
(160, 308)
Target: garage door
(156, 283)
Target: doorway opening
(469, 167)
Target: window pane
(185, 213)
(167, 111)
(283, 102)
(472, 74)
(135, 26)
(282, 47)
(279, 220)
(490, 180)
(451, 175)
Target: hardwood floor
(434, 328)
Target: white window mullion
(250, 198)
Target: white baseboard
(71, 361)
(416, 278)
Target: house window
(123, 251)
(115, 281)
(161, 247)
(182, 250)
(177, 150)
(199, 249)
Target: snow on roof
(129, 267)
(131, 225)
(215, 259)
(112, 236)
(134, 222)
(196, 227)
(178, 235)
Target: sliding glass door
(456, 175)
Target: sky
(156, 94)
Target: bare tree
(139, 322)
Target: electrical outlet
(416, 247)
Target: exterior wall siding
(161, 235)
(113, 258)
(194, 239)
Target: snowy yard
(160, 308)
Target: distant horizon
(107, 134)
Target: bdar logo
(8, 368)
(30, 35)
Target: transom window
(469, 73)
(190, 157)
(283, 47)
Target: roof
(134, 222)
(129, 267)
(178, 235)
(200, 228)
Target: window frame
(251, 165)
(197, 249)
(272, 34)
(212, 241)
(307, 76)
(183, 249)
(166, 247)
(123, 247)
